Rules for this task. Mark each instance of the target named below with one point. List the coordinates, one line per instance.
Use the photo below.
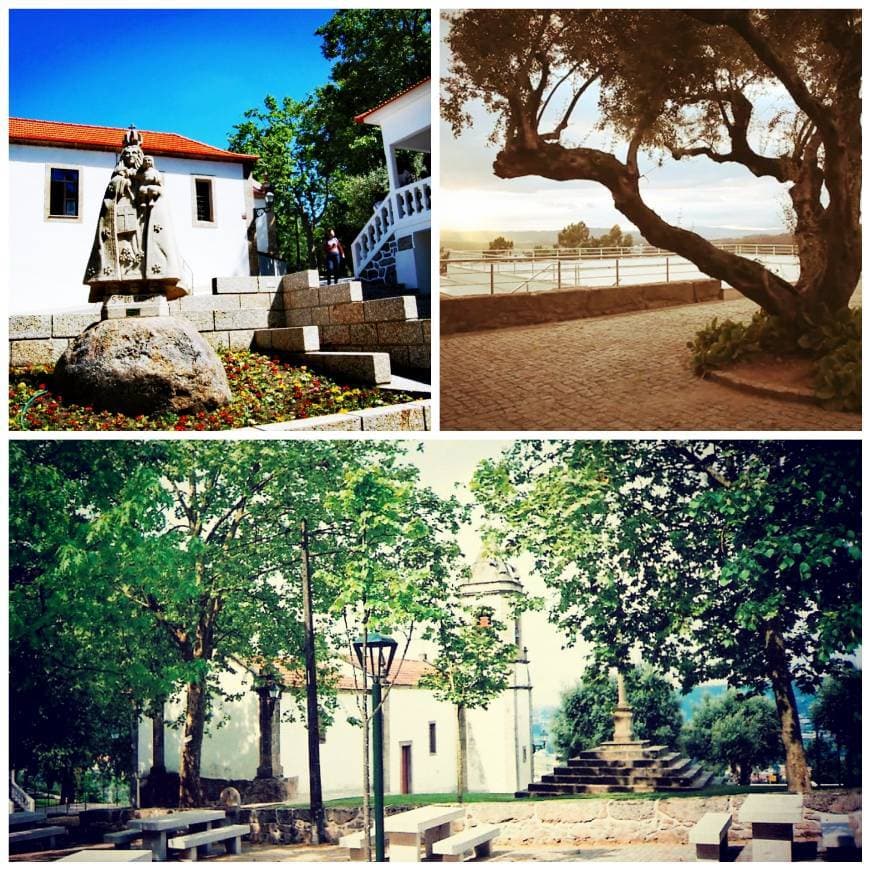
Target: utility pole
(316, 791)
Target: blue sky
(192, 72)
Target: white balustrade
(408, 206)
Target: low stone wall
(581, 822)
(408, 417)
(473, 313)
(239, 306)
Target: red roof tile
(406, 673)
(91, 138)
(360, 119)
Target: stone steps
(622, 767)
(371, 369)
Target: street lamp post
(379, 650)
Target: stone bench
(111, 855)
(838, 840)
(457, 846)
(710, 836)
(231, 835)
(49, 834)
(122, 839)
(355, 844)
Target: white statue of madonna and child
(134, 248)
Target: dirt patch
(782, 377)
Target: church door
(406, 768)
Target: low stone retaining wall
(581, 822)
(240, 306)
(473, 313)
(408, 417)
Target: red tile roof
(361, 119)
(406, 673)
(91, 138)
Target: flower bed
(265, 390)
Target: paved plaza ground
(622, 372)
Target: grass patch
(265, 390)
(413, 800)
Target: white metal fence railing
(491, 272)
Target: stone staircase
(635, 766)
(334, 329)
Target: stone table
(773, 817)
(421, 827)
(156, 829)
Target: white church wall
(230, 748)
(48, 255)
(411, 712)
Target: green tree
(189, 542)
(500, 246)
(684, 84)
(472, 667)
(79, 675)
(574, 236)
(585, 715)
(729, 560)
(376, 54)
(740, 734)
(394, 573)
(837, 710)
(292, 162)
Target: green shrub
(832, 341)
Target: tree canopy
(323, 167)
(578, 236)
(734, 560)
(776, 92)
(159, 562)
(585, 715)
(737, 733)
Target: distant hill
(478, 240)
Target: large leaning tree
(716, 560)
(684, 84)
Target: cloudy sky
(690, 193)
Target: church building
(420, 732)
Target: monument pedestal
(121, 305)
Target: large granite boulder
(143, 365)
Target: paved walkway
(623, 372)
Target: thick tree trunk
(555, 161)
(796, 769)
(745, 769)
(461, 753)
(190, 788)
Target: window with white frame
(62, 193)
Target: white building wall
(48, 255)
(230, 748)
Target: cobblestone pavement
(626, 371)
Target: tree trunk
(796, 770)
(745, 769)
(461, 753)
(190, 787)
(829, 255)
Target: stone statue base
(134, 305)
(143, 365)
